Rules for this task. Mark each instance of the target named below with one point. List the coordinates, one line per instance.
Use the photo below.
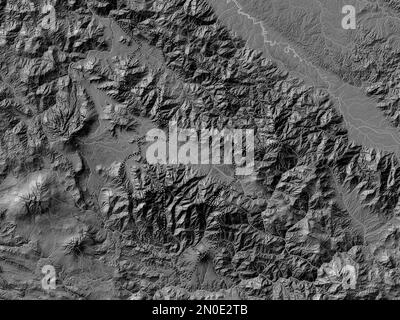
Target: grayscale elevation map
(200, 149)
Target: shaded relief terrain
(318, 218)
